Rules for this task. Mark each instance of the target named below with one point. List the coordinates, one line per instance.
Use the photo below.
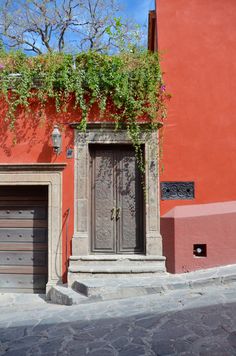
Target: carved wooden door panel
(103, 200)
(129, 203)
(117, 200)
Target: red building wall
(197, 41)
(30, 142)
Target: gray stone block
(66, 296)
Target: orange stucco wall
(30, 142)
(197, 41)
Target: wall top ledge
(189, 211)
(110, 125)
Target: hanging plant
(132, 82)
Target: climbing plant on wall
(131, 83)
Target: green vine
(130, 84)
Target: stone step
(116, 288)
(115, 259)
(64, 295)
(87, 290)
(114, 270)
(119, 288)
(127, 268)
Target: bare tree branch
(64, 25)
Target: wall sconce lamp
(56, 140)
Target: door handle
(118, 211)
(113, 212)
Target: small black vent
(177, 190)
(200, 250)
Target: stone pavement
(132, 286)
(199, 321)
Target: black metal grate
(177, 191)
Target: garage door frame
(49, 174)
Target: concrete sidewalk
(91, 289)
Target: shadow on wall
(32, 129)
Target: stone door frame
(105, 134)
(48, 174)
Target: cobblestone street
(188, 322)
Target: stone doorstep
(111, 266)
(98, 289)
(118, 268)
(115, 260)
(116, 257)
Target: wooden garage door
(23, 238)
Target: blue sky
(138, 9)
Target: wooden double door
(116, 200)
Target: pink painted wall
(211, 224)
